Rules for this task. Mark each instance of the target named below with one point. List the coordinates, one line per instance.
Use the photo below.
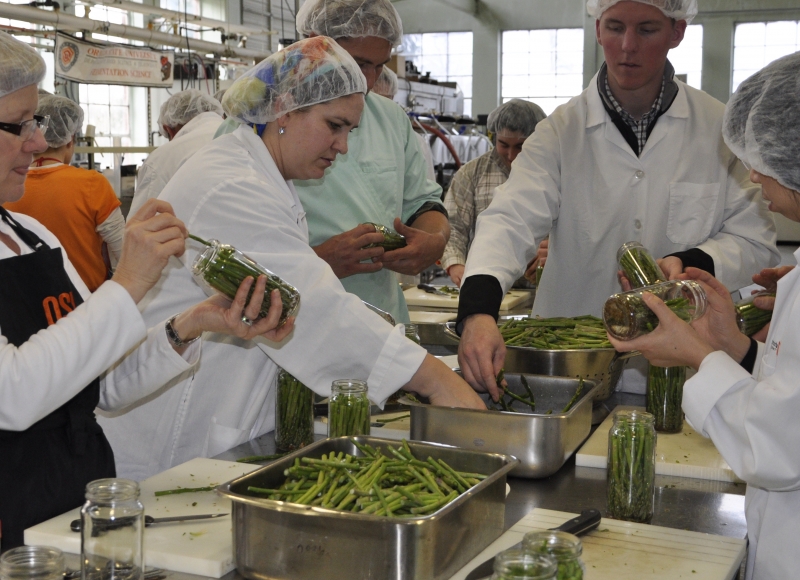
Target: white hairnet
(308, 72)
(386, 85)
(219, 94)
(515, 116)
(677, 9)
(66, 119)
(350, 19)
(762, 121)
(184, 106)
(20, 65)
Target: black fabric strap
(481, 294)
(695, 258)
(425, 208)
(749, 360)
(31, 240)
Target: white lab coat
(164, 162)
(232, 191)
(753, 422)
(56, 364)
(578, 176)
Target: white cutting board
(421, 317)
(203, 547)
(396, 430)
(684, 454)
(619, 550)
(417, 297)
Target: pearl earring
(281, 131)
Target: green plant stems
(750, 318)
(260, 458)
(394, 485)
(294, 418)
(640, 268)
(665, 396)
(184, 490)
(348, 415)
(580, 332)
(631, 470)
(575, 397)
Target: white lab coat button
(639, 174)
(638, 224)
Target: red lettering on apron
(51, 310)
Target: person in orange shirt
(79, 206)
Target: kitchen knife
(431, 290)
(75, 525)
(586, 522)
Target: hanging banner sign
(112, 64)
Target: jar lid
(561, 545)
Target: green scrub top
(382, 176)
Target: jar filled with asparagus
(391, 239)
(631, 470)
(565, 548)
(294, 417)
(223, 268)
(516, 564)
(626, 316)
(639, 267)
(348, 409)
(664, 397)
(750, 318)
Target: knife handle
(586, 522)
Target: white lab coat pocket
(222, 438)
(691, 212)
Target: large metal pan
(602, 365)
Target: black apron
(44, 469)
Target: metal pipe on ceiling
(69, 23)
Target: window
(688, 57)
(447, 56)
(756, 44)
(543, 66)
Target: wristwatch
(173, 337)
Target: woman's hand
(442, 386)
(218, 314)
(768, 278)
(152, 235)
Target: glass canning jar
(626, 316)
(112, 531)
(348, 409)
(516, 564)
(631, 470)
(294, 414)
(664, 397)
(750, 318)
(638, 265)
(565, 548)
(412, 332)
(28, 562)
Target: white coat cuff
(717, 374)
(398, 361)
(119, 305)
(183, 362)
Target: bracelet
(173, 337)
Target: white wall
(488, 18)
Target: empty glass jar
(517, 564)
(626, 316)
(27, 562)
(348, 409)
(112, 531)
(631, 470)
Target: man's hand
(422, 249)
(456, 273)
(346, 254)
(671, 266)
(481, 353)
(537, 261)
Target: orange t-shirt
(71, 202)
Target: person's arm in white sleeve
(112, 231)
(149, 184)
(746, 242)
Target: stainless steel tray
(541, 442)
(276, 540)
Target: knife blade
(431, 290)
(75, 525)
(586, 522)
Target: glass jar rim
(349, 386)
(560, 545)
(627, 246)
(635, 416)
(24, 558)
(112, 489)
(544, 566)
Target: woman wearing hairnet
(297, 108)
(77, 205)
(745, 395)
(473, 185)
(56, 337)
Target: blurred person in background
(79, 206)
(189, 120)
(472, 187)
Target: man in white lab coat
(189, 120)
(636, 156)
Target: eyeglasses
(26, 129)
